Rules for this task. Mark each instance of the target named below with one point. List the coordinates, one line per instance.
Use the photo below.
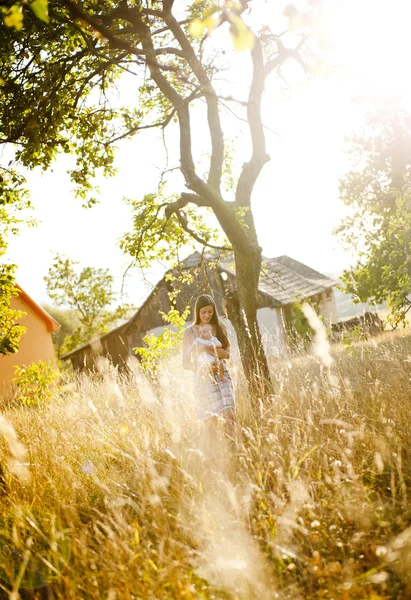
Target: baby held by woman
(205, 336)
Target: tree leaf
(40, 9)
(14, 17)
(196, 27)
(210, 23)
(243, 38)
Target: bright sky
(295, 203)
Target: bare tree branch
(163, 124)
(214, 124)
(146, 228)
(78, 13)
(164, 29)
(285, 53)
(209, 195)
(182, 202)
(184, 225)
(152, 13)
(169, 91)
(100, 68)
(237, 116)
(224, 215)
(115, 41)
(253, 167)
(165, 50)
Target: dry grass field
(111, 491)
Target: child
(204, 358)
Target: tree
(377, 190)
(89, 293)
(68, 70)
(10, 331)
(69, 323)
(13, 200)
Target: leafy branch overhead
(90, 50)
(161, 228)
(14, 200)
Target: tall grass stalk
(113, 491)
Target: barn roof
(51, 323)
(283, 279)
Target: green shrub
(299, 331)
(160, 347)
(35, 382)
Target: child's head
(206, 331)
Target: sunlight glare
(372, 45)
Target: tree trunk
(242, 307)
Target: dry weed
(111, 492)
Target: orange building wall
(35, 345)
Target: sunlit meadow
(112, 490)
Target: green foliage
(242, 37)
(89, 293)
(35, 382)
(10, 330)
(351, 336)
(40, 9)
(299, 330)
(377, 190)
(12, 190)
(160, 347)
(158, 233)
(69, 320)
(56, 69)
(71, 74)
(13, 16)
(13, 200)
(211, 17)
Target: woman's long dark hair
(221, 330)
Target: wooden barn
(284, 281)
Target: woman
(213, 396)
